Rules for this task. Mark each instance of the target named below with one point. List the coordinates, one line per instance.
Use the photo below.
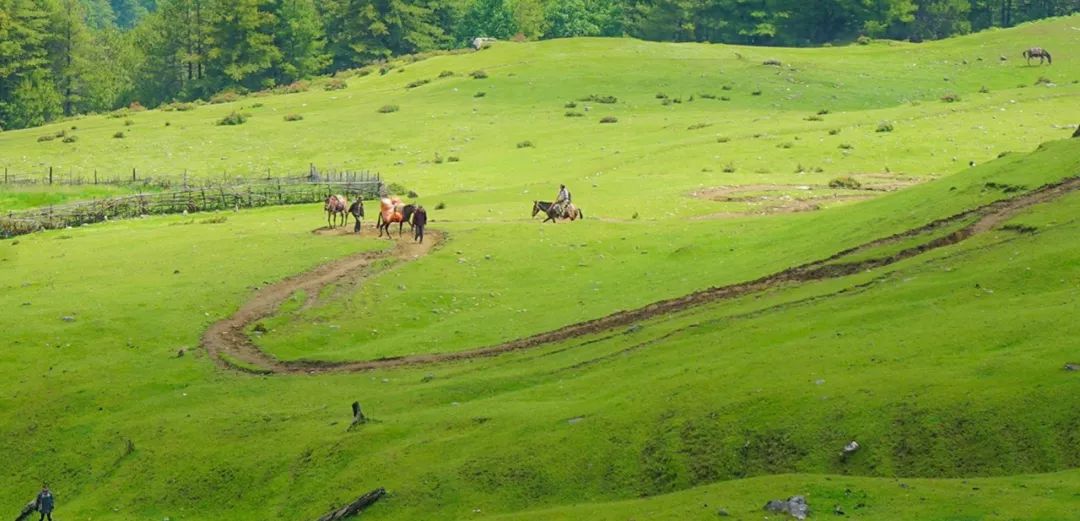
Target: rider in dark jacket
(357, 211)
(419, 220)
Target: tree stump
(358, 416)
(356, 506)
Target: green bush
(70, 139)
(609, 119)
(723, 139)
(446, 74)
(227, 96)
(128, 123)
(846, 146)
(478, 75)
(607, 100)
(417, 83)
(846, 182)
(729, 168)
(863, 40)
(118, 135)
(480, 94)
(335, 84)
(697, 126)
(177, 106)
(951, 97)
(526, 144)
(570, 105)
(573, 114)
(47, 137)
(814, 117)
(756, 93)
(386, 109)
(293, 117)
(884, 126)
(234, 118)
(834, 131)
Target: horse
(407, 212)
(392, 211)
(1037, 52)
(336, 205)
(573, 212)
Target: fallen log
(30, 508)
(352, 508)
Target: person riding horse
(562, 201)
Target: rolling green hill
(942, 354)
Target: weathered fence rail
(135, 178)
(269, 193)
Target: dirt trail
(228, 336)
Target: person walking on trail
(419, 220)
(357, 211)
(562, 201)
(45, 503)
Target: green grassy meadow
(946, 367)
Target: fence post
(95, 176)
(132, 175)
(50, 175)
(5, 175)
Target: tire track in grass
(228, 343)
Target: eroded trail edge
(229, 338)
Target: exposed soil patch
(769, 199)
(228, 336)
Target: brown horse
(549, 209)
(392, 211)
(336, 205)
(1038, 52)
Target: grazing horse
(548, 208)
(336, 205)
(392, 211)
(1038, 52)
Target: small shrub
(453, 159)
(773, 62)
(608, 100)
(756, 93)
(723, 139)
(167, 124)
(60, 133)
(609, 119)
(846, 182)
(726, 87)
(884, 126)
(785, 145)
(413, 195)
(863, 40)
(386, 109)
(438, 160)
(570, 105)
(725, 98)
(708, 96)
(951, 97)
(293, 117)
(47, 137)
(135, 106)
(1043, 80)
(697, 126)
(177, 106)
(440, 206)
(846, 146)
(984, 90)
(814, 117)
(478, 75)
(525, 144)
(119, 113)
(834, 131)
(256, 105)
(70, 139)
(572, 114)
(73, 127)
(665, 102)
(480, 94)
(384, 69)
(823, 112)
(128, 123)
(335, 84)
(729, 168)
(234, 118)
(417, 83)
(227, 96)
(446, 74)
(661, 95)
(118, 135)
(296, 87)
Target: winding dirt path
(228, 336)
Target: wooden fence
(135, 178)
(205, 198)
